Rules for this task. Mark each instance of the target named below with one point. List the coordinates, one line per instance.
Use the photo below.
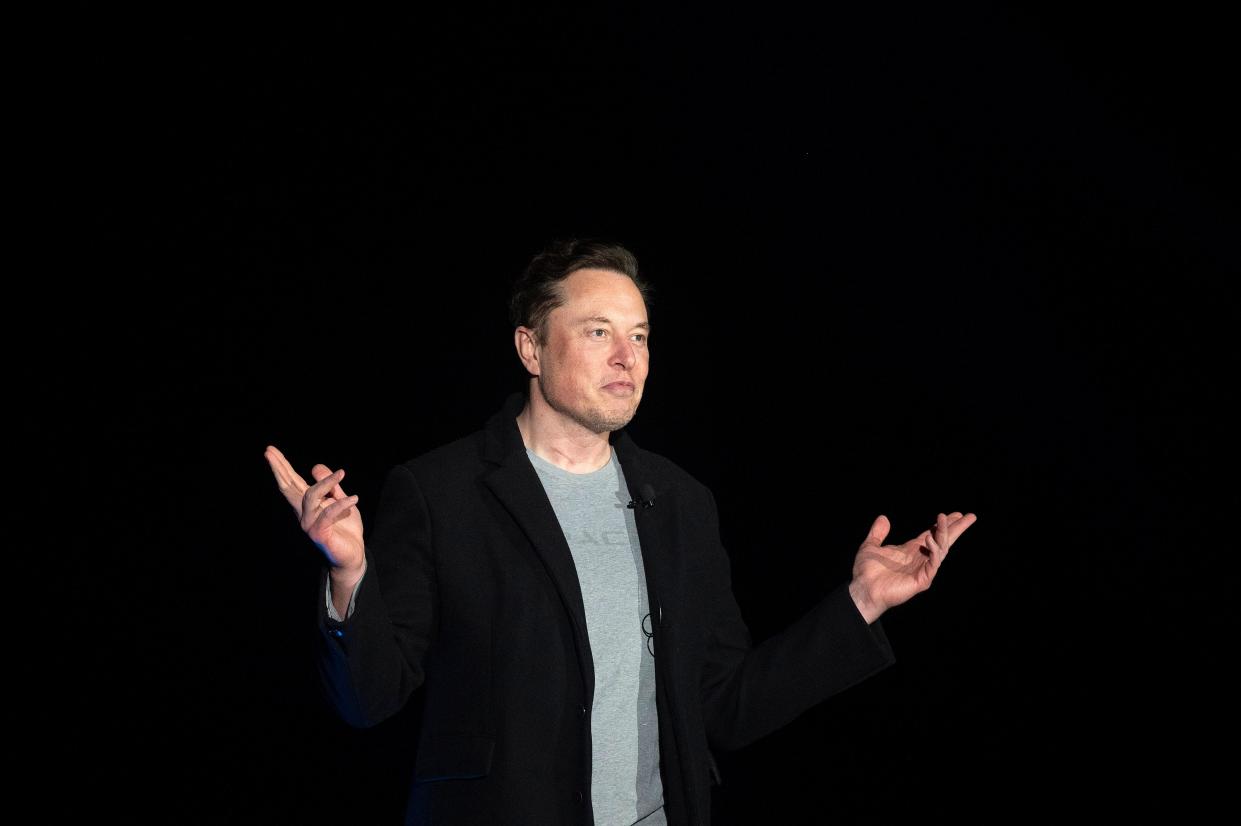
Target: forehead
(600, 292)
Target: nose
(625, 355)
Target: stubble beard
(594, 419)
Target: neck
(555, 437)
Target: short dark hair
(537, 291)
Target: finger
(321, 472)
(958, 526)
(290, 483)
(937, 551)
(335, 512)
(280, 466)
(315, 503)
(312, 500)
(878, 531)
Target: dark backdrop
(905, 261)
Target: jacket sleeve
(372, 661)
(750, 691)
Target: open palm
(887, 575)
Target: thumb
(878, 531)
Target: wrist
(866, 606)
(346, 577)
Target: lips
(619, 385)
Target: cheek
(575, 371)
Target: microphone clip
(647, 501)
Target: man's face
(593, 365)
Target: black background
(905, 260)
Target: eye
(598, 330)
(639, 337)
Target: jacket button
(578, 795)
(582, 712)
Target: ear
(527, 345)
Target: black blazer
(472, 595)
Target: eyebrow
(605, 320)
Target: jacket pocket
(453, 757)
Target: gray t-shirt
(626, 787)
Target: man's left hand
(887, 575)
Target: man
(561, 595)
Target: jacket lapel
(516, 484)
(655, 526)
(657, 534)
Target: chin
(605, 420)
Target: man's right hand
(327, 515)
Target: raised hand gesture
(325, 513)
(887, 575)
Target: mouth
(619, 387)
